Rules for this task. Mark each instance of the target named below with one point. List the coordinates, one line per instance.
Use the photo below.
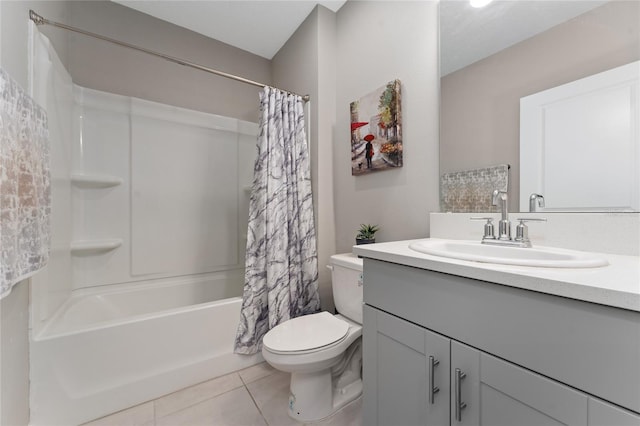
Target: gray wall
(14, 309)
(103, 66)
(306, 65)
(379, 41)
(480, 104)
(333, 59)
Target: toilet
(323, 352)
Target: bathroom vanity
(448, 341)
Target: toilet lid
(305, 333)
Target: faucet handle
(522, 231)
(489, 229)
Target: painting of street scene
(376, 130)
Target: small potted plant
(366, 234)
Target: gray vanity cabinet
(414, 376)
(494, 392)
(504, 356)
(407, 371)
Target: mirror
(493, 56)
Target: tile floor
(255, 396)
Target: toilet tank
(346, 281)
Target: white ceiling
(468, 34)
(259, 26)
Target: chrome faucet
(535, 199)
(504, 226)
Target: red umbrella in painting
(369, 137)
(357, 124)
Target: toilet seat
(308, 333)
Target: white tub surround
(142, 166)
(122, 168)
(143, 313)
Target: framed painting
(376, 130)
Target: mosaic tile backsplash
(470, 191)
(25, 190)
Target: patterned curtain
(25, 185)
(281, 270)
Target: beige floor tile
(139, 415)
(195, 394)
(234, 408)
(255, 372)
(271, 394)
(350, 415)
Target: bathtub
(106, 350)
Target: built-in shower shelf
(95, 181)
(80, 247)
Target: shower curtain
(25, 185)
(281, 267)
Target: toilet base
(315, 396)
(311, 401)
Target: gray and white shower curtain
(281, 267)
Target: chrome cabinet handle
(459, 375)
(433, 389)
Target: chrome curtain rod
(39, 20)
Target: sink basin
(535, 256)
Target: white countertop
(617, 284)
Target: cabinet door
(398, 357)
(495, 393)
(604, 414)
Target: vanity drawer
(591, 347)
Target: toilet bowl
(323, 352)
